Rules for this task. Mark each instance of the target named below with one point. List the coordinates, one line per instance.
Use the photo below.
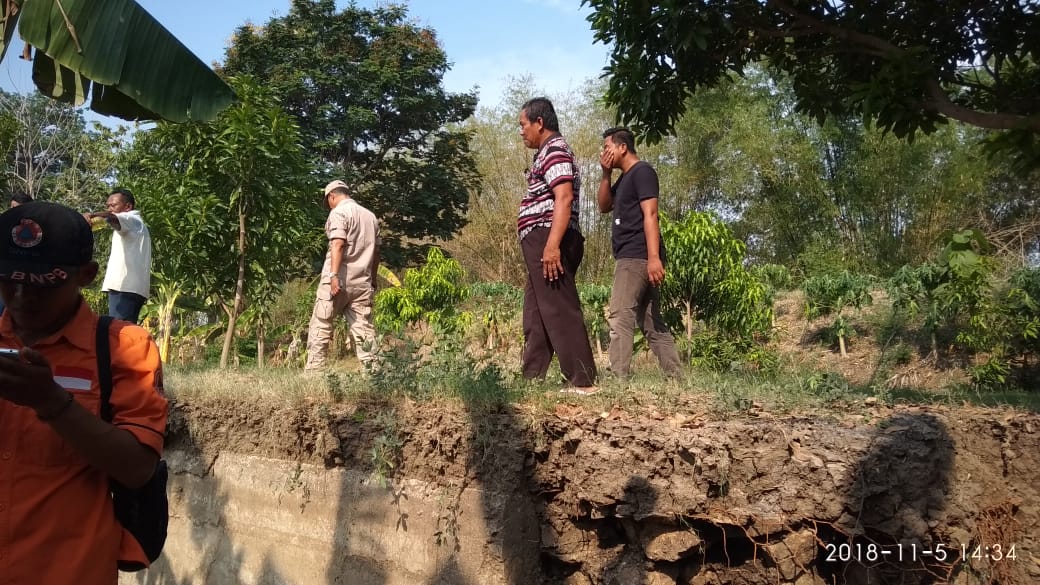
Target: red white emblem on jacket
(74, 379)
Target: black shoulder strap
(104, 366)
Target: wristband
(48, 417)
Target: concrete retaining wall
(252, 520)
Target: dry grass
(268, 385)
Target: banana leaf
(138, 68)
(58, 82)
(64, 85)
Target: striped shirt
(554, 163)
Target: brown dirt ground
(644, 497)
(798, 340)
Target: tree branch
(838, 32)
(939, 100)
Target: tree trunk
(166, 324)
(240, 284)
(688, 319)
(261, 347)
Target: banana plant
(117, 55)
(167, 293)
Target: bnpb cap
(41, 242)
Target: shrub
(706, 279)
(428, 296)
(832, 294)
(775, 277)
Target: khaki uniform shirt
(359, 229)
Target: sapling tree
(834, 294)
(429, 296)
(595, 301)
(706, 279)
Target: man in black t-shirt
(639, 252)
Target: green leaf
(59, 82)
(116, 43)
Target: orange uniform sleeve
(138, 403)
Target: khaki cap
(337, 184)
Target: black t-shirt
(626, 235)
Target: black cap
(41, 242)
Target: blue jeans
(124, 305)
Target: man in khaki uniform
(348, 277)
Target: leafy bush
(496, 303)
(827, 385)
(775, 277)
(395, 368)
(428, 296)
(721, 354)
(822, 256)
(706, 279)
(595, 299)
(496, 291)
(1023, 302)
(441, 368)
(998, 324)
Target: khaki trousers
(635, 302)
(356, 304)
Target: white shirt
(130, 264)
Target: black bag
(143, 511)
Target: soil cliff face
(893, 495)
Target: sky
(487, 41)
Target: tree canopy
(906, 66)
(226, 203)
(48, 151)
(366, 88)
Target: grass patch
(267, 385)
(967, 396)
(488, 386)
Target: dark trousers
(125, 305)
(553, 321)
(635, 302)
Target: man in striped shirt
(553, 247)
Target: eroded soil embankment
(627, 498)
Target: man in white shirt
(128, 276)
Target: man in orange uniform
(57, 525)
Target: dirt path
(647, 498)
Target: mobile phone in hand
(9, 353)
